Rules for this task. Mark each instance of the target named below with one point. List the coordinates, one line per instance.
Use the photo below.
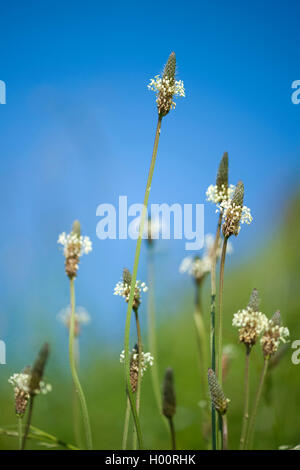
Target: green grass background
(275, 271)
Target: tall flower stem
(213, 323)
(201, 336)
(76, 381)
(126, 424)
(139, 380)
(152, 329)
(246, 405)
(76, 409)
(256, 403)
(133, 281)
(20, 431)
(220, 313)
(28, 422)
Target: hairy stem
(213, 323)
(133, 281)
(256, 403)
(75, 377)
(246, 405)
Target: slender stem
(224, 433)
(76, 409)
(201, 337)
(139, 381)
(246, 405)
(20, 431)
(29, 416)
(220, 316)
(75, 377)
(151, 328)
(213, 323)
(133, 281)
(172, 433)
(126, 425)
(256, 403)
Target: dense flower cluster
(251, 324)
(273, 335)
(146, 359)
(217, 194)
(166, 89)
(74, 246)
(123, 288)
(198, 267)
(82, 317)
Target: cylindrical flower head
(170, 67)
(127, 276)
(21, 401)
(254, 301)
(276, 319)
(38, 369)
(169, 398)
(218, 398)
(76, 229)
(222, 175)
(234, 212)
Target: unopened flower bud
(219, 401)
(38, 370)
(169, 399)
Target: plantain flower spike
(38, 369)
(166, 87)
(219, 401)
(254, 301)
(169, 399)
(222, 175)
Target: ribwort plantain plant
(75, 245)
(166, 89)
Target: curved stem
(126, 425)
(76, 410)
(75, 377)
(213, 323)
(220, 315)
(246, 406)
(256, 403)
(29, 417)
(133, 281)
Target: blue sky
(78, 128)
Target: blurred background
(77, 131)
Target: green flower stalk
(218, 193)
(166, 88)
(251, 324)
(220, 403)
(33, 385)
(169, 403)
(75, 245)
(270, 341)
